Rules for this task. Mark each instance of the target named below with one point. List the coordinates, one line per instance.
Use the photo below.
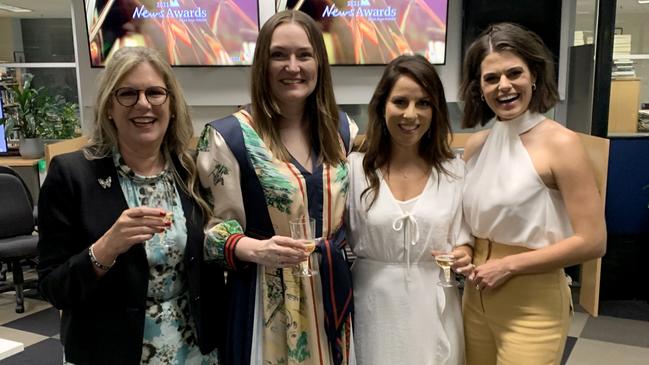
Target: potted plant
(64, 123)
(39, 115)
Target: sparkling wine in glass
(303, 230)
(164, 240)
(445, 261)
(156, 198)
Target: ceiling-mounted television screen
(186, 32)
(365, 32)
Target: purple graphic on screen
(439, 7)
(185, 32)
(249, 7)
(377, 31)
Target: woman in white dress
(404, 204)
(530, 198)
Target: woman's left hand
(461, 259)
(490, 275)
(462, 264)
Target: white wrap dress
(401, 315)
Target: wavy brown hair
(523, 43)
(177, 140)
(320, 108)
(434, 147)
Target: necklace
(412, 174)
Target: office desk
(27, 169)
(17, 161)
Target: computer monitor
(3, 139)
(4, 146)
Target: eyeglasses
(128, 96)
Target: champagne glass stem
(305, 268)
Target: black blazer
(103, 319)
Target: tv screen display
(186, 32)
(361, 32)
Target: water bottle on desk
(41, 171)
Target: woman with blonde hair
(279, 159)
(121, 229)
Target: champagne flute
(444, 261)
(303, 230)
(158, 199)
(168, 219)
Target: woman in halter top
(530, 200)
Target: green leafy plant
(39, 115)
(65, 124)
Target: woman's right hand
(277, 251)
(134, 225)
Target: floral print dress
(169, 333)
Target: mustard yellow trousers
(524, 321)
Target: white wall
(215, 91)
(10, 38)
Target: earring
(110, 117)
(482, 96)
(534, 86)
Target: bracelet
(98, 264)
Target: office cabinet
(624, 106)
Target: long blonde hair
(320, 108)
(178, 138)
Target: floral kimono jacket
(275, 315)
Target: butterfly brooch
(105, 183)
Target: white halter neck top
(504, 198)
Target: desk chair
(17, 225)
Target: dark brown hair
(523, 43)
(434, 147)
(320, 108)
